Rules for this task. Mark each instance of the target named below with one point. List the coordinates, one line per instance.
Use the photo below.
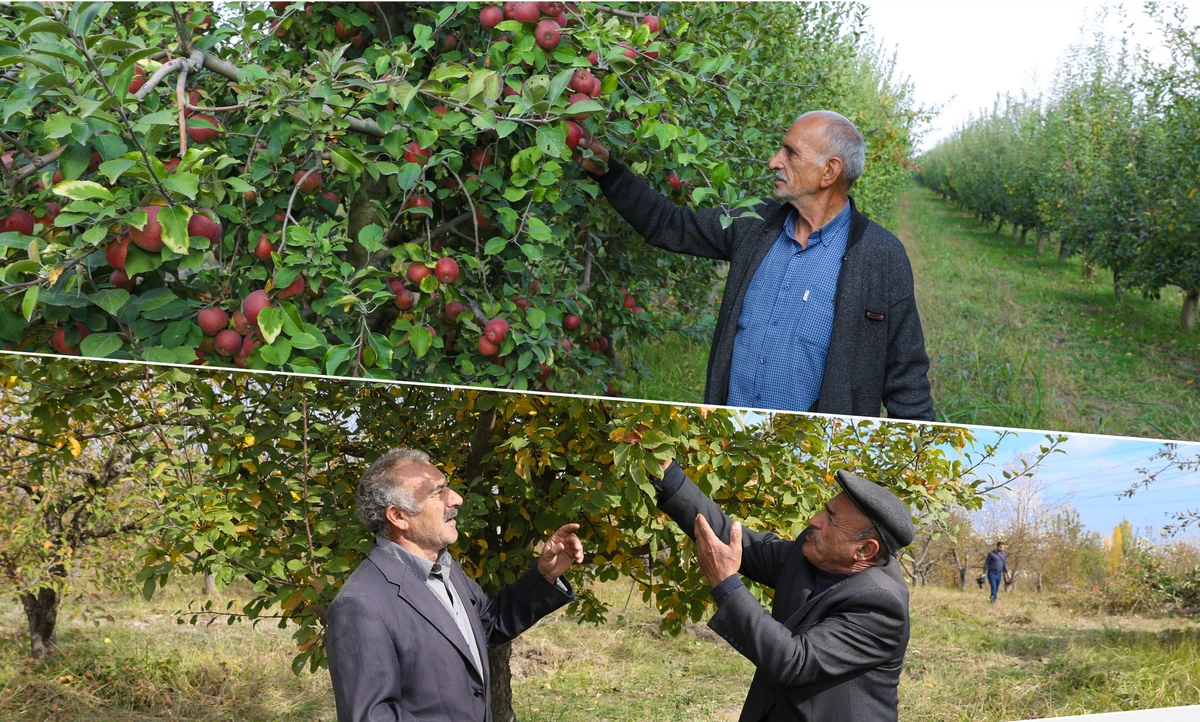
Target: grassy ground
(1015, 340)
(968, 660)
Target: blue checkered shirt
(787, 318)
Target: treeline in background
(1107, 162)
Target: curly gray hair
(843, 140)
(379, 488)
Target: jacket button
(479, 693)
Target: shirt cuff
(670, 482)
(722, 591)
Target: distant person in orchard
(832, 647)
(996, 568)
(408, 631)
(818, 312)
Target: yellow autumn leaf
(76, 449)
(249, 440)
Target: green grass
(968, 660)
(1014, 340)
(1017, 340)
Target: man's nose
(455, 499)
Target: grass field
(1014, 340)
(968, 660)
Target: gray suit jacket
(833, 657)
(396, 654)
(877, 349)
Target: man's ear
(867, 549)
(833, 171)
(397, 518)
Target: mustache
(449, 514)
(781, 177)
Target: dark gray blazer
(835, 657)
(877, 350)
(396, 654)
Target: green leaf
(44, 24)
(371, 238)
(720, 175)
(270, 323)
(478, 82)
(112, 169)
(186, 183)
(538, 230)
(505, 128)
(29, 302)
(345, 161)
(536, 318)
(532, 252)
(421, 340)
(59, 125)
(100, 344)
(551, 139)
(494, 246)
(305, 341)
(138, 261)
(162, 117)
(512, 194)
(237, 185)
(174, 222)
(82, 190)
(448, 70)
(110, 299)
(408, 175)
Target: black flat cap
(890, 515)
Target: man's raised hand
(717, 560)
(562, 550)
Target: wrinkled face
(831, 545)
(797, 173)
(434, 528)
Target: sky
(1094, 471)
(960, 54)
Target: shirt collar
(419, 565)
(823, 234)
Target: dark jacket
(396, 654)
(877, 350)
(832, 657)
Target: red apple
(629, 302)
(119, 279)
(440, 110)
(171, 165)
(227, 343)
(149, 238)
(139, 79)
(212, 321)
(419, 201)
(203, 134)
(581, 80)
(249, 343)
(116, 251)
(201, 224)
(651, 22)
(574, 134)
(491, 16)
(342, 31)
(59, 339)
(547, 34)
(483, 221)
(673, 181)
(309, 184)
(446, 270)
(594, 58)
(597, 86)
(450, 42)
(203, 20)
(453, 309)
(18, 220)
(487, 348)
(417, 271)
(495, 330)
(638, 309)
(480, 158)
(524, 12)
(551, 9)
(414, 153)
(240, 323)
(405, 299)
(255, 302)
(571, 321)
(263, 249)
(359, 41)
(46, 217)
(295, 288)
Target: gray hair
(870, 532)
(379, 488)
(842, 140)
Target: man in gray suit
(819, 312)
(407, 632)
(832, 647)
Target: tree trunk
(1013, 233)
(210, 584)
(1024, 232)
(999, 225)
(963, 572)
(1190, 301)
(41, 610)
(1089, 271)
(1041, 242)
(1039, 582)
(499, 658)
(1063, 250)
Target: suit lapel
(470, 603)
(771, 228)
(414, 592)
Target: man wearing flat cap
(832, 646)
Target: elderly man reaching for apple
(819, 312)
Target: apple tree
(388, 190)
